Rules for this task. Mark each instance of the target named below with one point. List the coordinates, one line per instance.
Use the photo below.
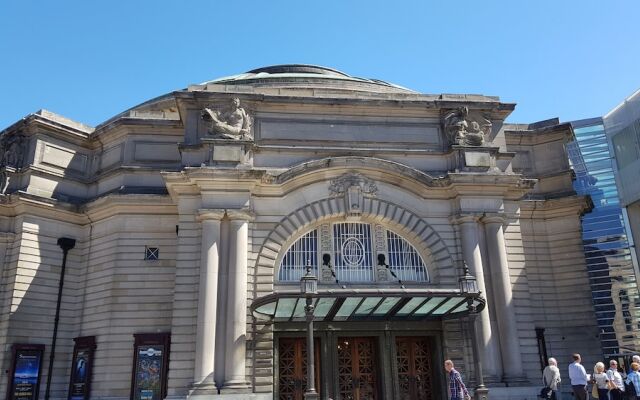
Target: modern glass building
(606, 241)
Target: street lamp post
(469, 285)
(309, 287)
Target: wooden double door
(357, 368)
(415, 370)
(292, 367)
(357, 376)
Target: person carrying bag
(550, 380)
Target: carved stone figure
(461, 129)
(455, 124)
(229, 123)
(11, 155)
(4, 180)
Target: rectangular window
(151, 253)
(542, 348)
(353, 252)
(625, 147)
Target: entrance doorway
(292, 367)
(357, 368)
(415, 371)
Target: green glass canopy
(368, 305)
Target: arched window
(303, 251)
(355, 249)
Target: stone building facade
(195, 214)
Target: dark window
(151, 253)
(542, 348)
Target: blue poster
(26, 374)
(79, 375)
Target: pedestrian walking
(601, 381)
(551, 377)
(617, 384)
(457, 389)
(578, 378)
(633, 380)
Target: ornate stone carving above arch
(360, 163)
(400, 220)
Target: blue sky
(89, 60)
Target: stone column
(503, 299)
(235, 349)
(207, 298)
(491, 360)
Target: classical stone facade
(193, 208)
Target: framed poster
(24, 377)
(81, 366)
(150, 366)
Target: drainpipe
(65, 244)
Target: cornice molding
(554, 208)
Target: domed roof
(307, 76)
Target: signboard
(81, 366)
(150, 366)
(25, 371)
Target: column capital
(210, 214)
(240, 214)
(462, 218)
(494, 218)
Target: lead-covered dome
(307, 76)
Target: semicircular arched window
(359, 252)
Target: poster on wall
(151, 352)
(25, 371)
(81, 366)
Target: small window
(151, 253)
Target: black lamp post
(469, 285)
(309, 287)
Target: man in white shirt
(578, 377)
(615, 378)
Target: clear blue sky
(89, 60)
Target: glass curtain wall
(605, 239)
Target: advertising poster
(148, 373)
(26, 373)
(80, 375)
(80, 382)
